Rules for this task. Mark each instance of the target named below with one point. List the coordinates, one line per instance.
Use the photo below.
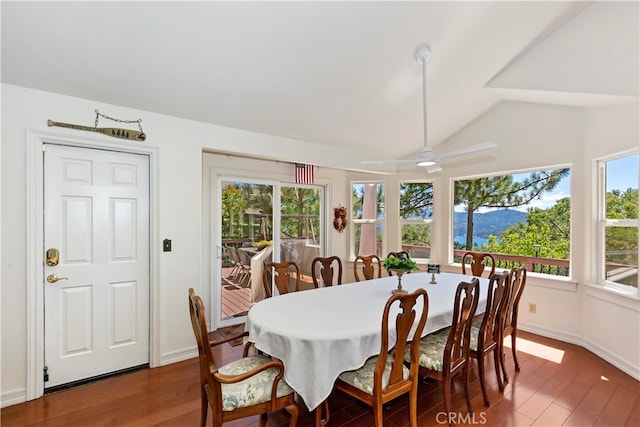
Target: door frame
(36, 141)
(215, 219)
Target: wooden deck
(236, 295)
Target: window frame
(404, 221)
(377, 221)
(603, 223)
(546, 276)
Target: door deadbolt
(52, 257)
(52, 278)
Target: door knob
(52, 278)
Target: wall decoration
(340, 218)
(114, 132)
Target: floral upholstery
(431, 350)
(251, 391)
(362, 378)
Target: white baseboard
(551, 333)
(620, 363)
(13, 397)
(178, 355)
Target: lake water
(477, 241)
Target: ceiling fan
(426, 157)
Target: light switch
(166, 245)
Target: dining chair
(478, 261)
(369, 267)
(245, 266)
(516, 282)
(251, 385)
(282, 274)
(486, 330)
(325, 268)
(399, 254)
(232, 256)
(445, 354)
(384, 377)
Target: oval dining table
(320, 333)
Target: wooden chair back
(478, 261)
(210, 390)
(456, 351)
(404, 337)
(489, 333)
(399, 254)
(329, 269)
(497, 295)
(367, 267)
(404, 322)
(283, 275)
(517, 280)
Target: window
(522, 219)
(618, 209)
(416, 211)
(367, 210)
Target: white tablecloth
(323, 332)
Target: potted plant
(400, 266)
(403, 265)
(263, 244)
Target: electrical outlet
(532, 308)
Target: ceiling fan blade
(433, 168)
(469, 151)
(387, 162)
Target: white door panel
(97, 216)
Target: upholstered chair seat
(431, 350)
(253, 390)
(362, 378)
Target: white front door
(97, 222)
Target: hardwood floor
(559, 385)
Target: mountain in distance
(493, 222)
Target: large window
(367, 209)
(416, 211)
(618, 196)
(523, 219)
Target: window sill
(628, 298)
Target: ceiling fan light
(426, 163)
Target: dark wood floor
(559, 385)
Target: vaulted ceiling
(336, 73)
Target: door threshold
(72, 384)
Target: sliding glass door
(262, 221)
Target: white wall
(529, 136)
(178, 211)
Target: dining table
(320, 333)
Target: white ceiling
(336, 73)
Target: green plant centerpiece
(400, 266)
